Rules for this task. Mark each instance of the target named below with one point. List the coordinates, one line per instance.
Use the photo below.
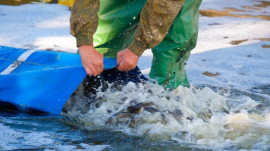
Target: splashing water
(197, 116)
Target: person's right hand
(92, 60)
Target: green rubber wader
(118, 22)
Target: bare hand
(92, 60)
(126, 60)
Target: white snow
(39, 26)
(44, 26)
(240, 66)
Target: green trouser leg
(169, 57)
(118, 22)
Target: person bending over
(124, 29)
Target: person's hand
(92, 60)
(126, 60)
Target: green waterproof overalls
(118, 21)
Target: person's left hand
(126, 60)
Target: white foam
(16, 139)
(9, 138)
(203, 117)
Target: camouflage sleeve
(84, 20)
(156, 19)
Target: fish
(151, 109)
(121, 118)
(138, 108)
(205, 116)
(126, 115)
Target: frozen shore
(232, 51)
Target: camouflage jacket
(156, 19)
